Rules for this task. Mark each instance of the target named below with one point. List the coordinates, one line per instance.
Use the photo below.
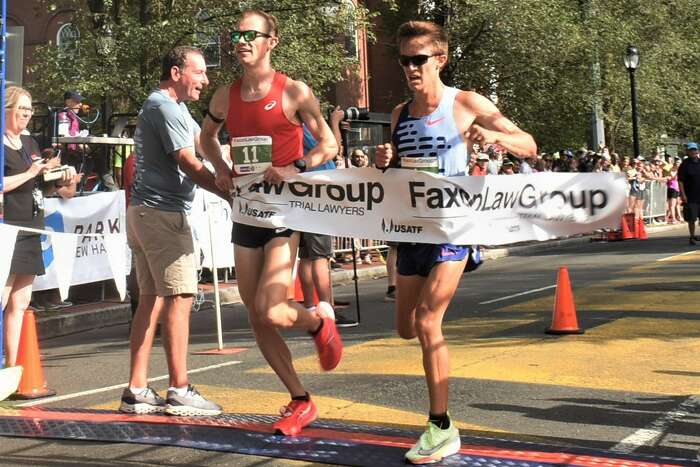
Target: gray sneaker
(147, 401)
(192, 404)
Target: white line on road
(668, 258)
(118, 386)
(517, 294)
(645, 436)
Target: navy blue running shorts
(420, 258)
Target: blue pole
(3, 49)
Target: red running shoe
(329, 345)
(295, 416)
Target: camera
(353, 113)
(57, 173)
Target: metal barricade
(344, 245)
(655, 200)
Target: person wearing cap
(507, 167)
(689, 185)
(480, 168)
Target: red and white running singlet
(260, 132)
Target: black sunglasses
(248, 36)
(415, 60)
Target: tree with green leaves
(121, 43)
(534, 58)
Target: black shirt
(689, 176)
(23, 207)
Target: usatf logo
(245, 210)
(391, 227)
(54, 222)
(270, 105)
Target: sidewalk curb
(64, 323)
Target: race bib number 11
(251, 154)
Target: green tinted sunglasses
(248, 36)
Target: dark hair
(272, 23)
(176, 57)
(432, 31)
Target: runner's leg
(257, 271)
(408, 289)
(434, 297)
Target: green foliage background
(534, 57)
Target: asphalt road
(627, 384)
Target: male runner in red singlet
(264, 111)
(433, 131)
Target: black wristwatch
(300, 164)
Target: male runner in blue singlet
(434, 131)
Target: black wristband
(214, 119)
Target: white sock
(179, 391)
(136, 390)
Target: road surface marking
(668, 258)
(517, 294)
(645, 436)
(118, 386)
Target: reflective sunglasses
(248, 36)
(415, 60)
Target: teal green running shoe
(434, 444)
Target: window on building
(208, 39)
(67, 38)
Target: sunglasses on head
(248, 36)
(416, 60)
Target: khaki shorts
(161, 242)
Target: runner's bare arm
(209, 146)
(310, 113)
(489, 126)
(307, 109)
(386, 154)
(193, 167)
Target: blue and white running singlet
(432, 143)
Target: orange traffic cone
(299, 292)
(639, 230)
(564, 319)
(628, 227)
(33, 384)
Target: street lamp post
(631, 63)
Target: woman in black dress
(24, 189)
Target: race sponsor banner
(101, 213)
(415, 206)
(210, 210)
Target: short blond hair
(434, 32)
(12, 95)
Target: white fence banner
(208, 207)
(8, 235)
(101, 213)
(412, 206)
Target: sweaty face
(251, 52)
(420, 76)
(193, 78)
